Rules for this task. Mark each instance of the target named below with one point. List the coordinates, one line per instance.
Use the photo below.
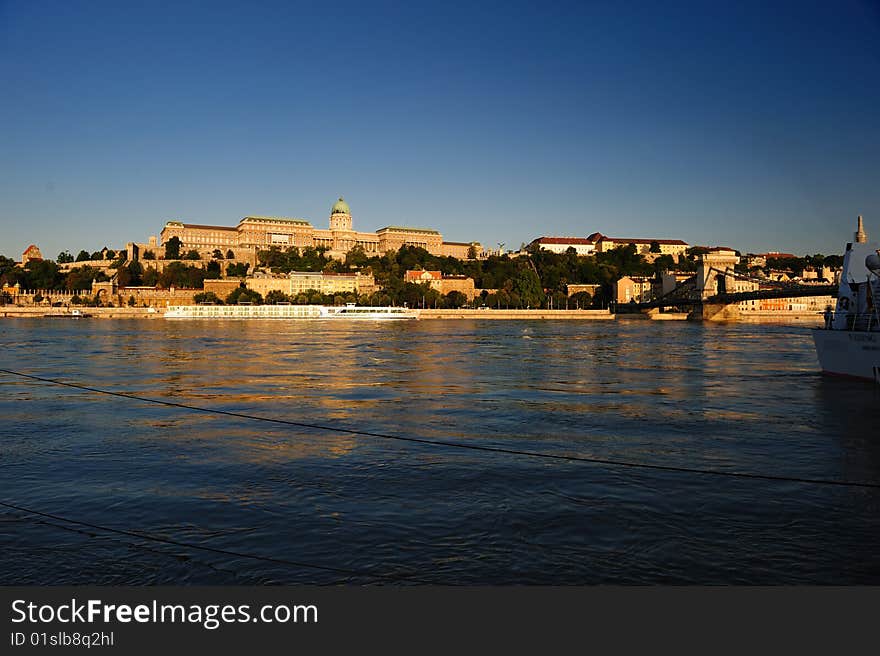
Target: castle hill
(276, 260)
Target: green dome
(340, 207)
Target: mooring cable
(216, 550)
(456, 445)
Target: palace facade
(599, 243)
(254, 233)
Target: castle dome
(340, 207)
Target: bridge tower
(715, 273)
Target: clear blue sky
(753, 125)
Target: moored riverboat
(350, 311)
(849, 342)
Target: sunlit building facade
(255, 233)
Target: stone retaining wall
(515, 314)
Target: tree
(110, 254)
(356, 258)
(207, 297)
(272, 258)
(411, 294)
(664, 263)
(172, 249)
(123, 278)
(178, 274)
(217, 254)
(42, 274)
(455, 299)
(230, 255)
(80, 279)
(131, 275)
(83, 256)
(151, 277)
(213, 269)
(64, 257)
(276, 296)
(192, 254)
(472, 252)
(655, 247)
(8, 270)
(149, 255)
(834, 261)
(527, 286)
(244, 295)
(559, 300)
(238, 270)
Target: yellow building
(255, 233)
(443, 284)
(638, 289)
(673, 247)
(297, 282)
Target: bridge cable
(456, 445)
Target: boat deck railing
(864, 322)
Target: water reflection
(743, 398)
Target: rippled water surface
(720, 397)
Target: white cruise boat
(849, 343)
(352, 311)
(288, 312)
(243, 312)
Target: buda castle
(255, 233)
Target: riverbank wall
(16, 312)
(769, 317)
(516, 314)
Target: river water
(736, 398)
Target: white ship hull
(243, 312)
(849, 353)
(356, 313)
(337, 313)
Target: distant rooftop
(427, 231)
(197, 225)
(275, 219)
(564, 240)
(621, 240)
(254, 219)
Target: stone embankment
(515, 314)
(805, 318)
(13, 311)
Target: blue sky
(754, 125)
